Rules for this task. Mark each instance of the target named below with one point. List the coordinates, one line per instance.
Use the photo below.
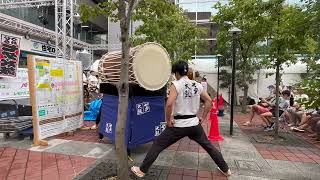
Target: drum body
(149, 66)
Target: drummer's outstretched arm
(207, 104)
(169, 105)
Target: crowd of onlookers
(292, 112)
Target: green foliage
(166, 24)
(225, 79)
(311, 86)
(162, 22)
(248, 15)
(287, 32)
(312, 9)
(106, 9)
(311, 81)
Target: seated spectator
(284, 103)
(297, 110)
(308, 120)
(262, 107)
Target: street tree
(249, 16)
(165, 23)
(287, 34)
(311, 80)
(118, 10)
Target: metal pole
(195, 47)
(218, 81)
(233, 80)
(64, 29)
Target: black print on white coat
(190, 90)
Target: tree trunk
(245, 99)
(276, 132)
(123, 89)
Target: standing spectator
(92, 79)
(197, 77)
(204, 84)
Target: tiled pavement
(83, 135)
(191, 174)
(309, 139)
(289, 153)
(183, 160)
(243, 157)
(296, 151)
(17, 164)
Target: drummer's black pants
(171, 135)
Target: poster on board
(9, 55)
(56, 95)
(15, 88)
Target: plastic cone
(214, 134)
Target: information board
(15, 88)
(56, 95)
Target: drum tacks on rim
(149, 66)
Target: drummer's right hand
(170, 123)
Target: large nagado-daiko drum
(149, 66)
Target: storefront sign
(43, 48)
(15, 88)
(9, 55)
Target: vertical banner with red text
(9, 55)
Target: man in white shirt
(204, 84)
(183, 101)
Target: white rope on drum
(110, 67)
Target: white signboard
(15, 88)
(43, 48)
(56, 95)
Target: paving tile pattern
(185, 144)
(309, 139)
(103, 170)
(190, 174)
(84, 135)
(289, 153)
(17, 164)
(296, 149)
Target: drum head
(151, 66)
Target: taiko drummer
(184, 96)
